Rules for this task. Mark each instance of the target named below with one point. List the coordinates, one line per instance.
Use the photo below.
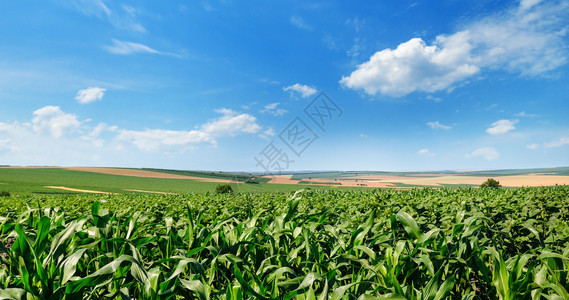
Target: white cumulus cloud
(89, 95)
(231, 124)
(528, 40)
(502, 126)
(50, 119)
(414, 66)
(304, 90)
(487, 153)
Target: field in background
(112, 180)
(508, 178)
(57, 180)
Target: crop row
(384, 244)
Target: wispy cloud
(487, 153)
(524, 114)
(269, 132)
(558, 143)
(426, 152)
(304, 90)
(437, 125)
(95, 8)
(89, 95)
(127, 48)
(299, 22)
(528, 40)
(123, 17)
(553, 144)
(273, 109)
(502, 126)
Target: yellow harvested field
(510, 181)
(534, 179)
(78, 190)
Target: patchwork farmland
(105, 233)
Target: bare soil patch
(149, 192)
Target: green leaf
(409, 224)
(12, 293)
(70, 265)
(195, 286)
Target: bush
(491, 183)
(224, 189)
(4, 194)
(251, 181)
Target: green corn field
(377, 244)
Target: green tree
(224, 189)
(491, 183)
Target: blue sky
(221, 85)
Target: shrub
(224, 189)
(4, 194)
(491, 183)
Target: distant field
(37, 180)
(54, 180)
(508, 178)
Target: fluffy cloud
(502, 126)
(528, 40)
(414, 66)
(273, 109)
(487, 153)
(437, 125)
(532, 146)
(54, 137)
(52, 120)
(89, 95)
(304, 90)
(230, 124)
